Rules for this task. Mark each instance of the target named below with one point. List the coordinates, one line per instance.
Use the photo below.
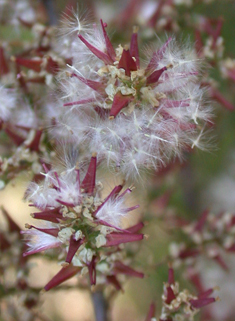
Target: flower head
(136, 115)
(87, 228)
(178, 305)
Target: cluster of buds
(209, 236)
(141, 117)
(18, 298)
(180, 305)
(34, 63)
(213, 48)
(163, 15)
(25, 75)
(26, 153)
(25, 138)
(87, 228)
(159, 16)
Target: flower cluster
(180, 305)
(209, 236)
(87, 228)
(25, 75)
(25, 139)
(140, 114)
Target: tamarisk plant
(121, 108)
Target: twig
(100, 306)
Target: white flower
(135, 117)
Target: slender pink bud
(50, 215)
(18, 140)
(199, 303)
(119, 267)
(151, 312)
(63, 275)
(97, 86)
(221, 262)
(127, 62)
(157, 56)
(134, 51)
(114, 193)
(99, 54)
(109, 46)
(114, 239)
(79, 102)
(4, 69)
(205, 294)
(152, 21)
(102, 222)
(119, 102)
(88, 183)
(136, 228)
(52, 66)
(221, 99)
(73, 247)
(155, 76)
(34, 64)
(171, 278)
(51, 231)
(170, 296)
